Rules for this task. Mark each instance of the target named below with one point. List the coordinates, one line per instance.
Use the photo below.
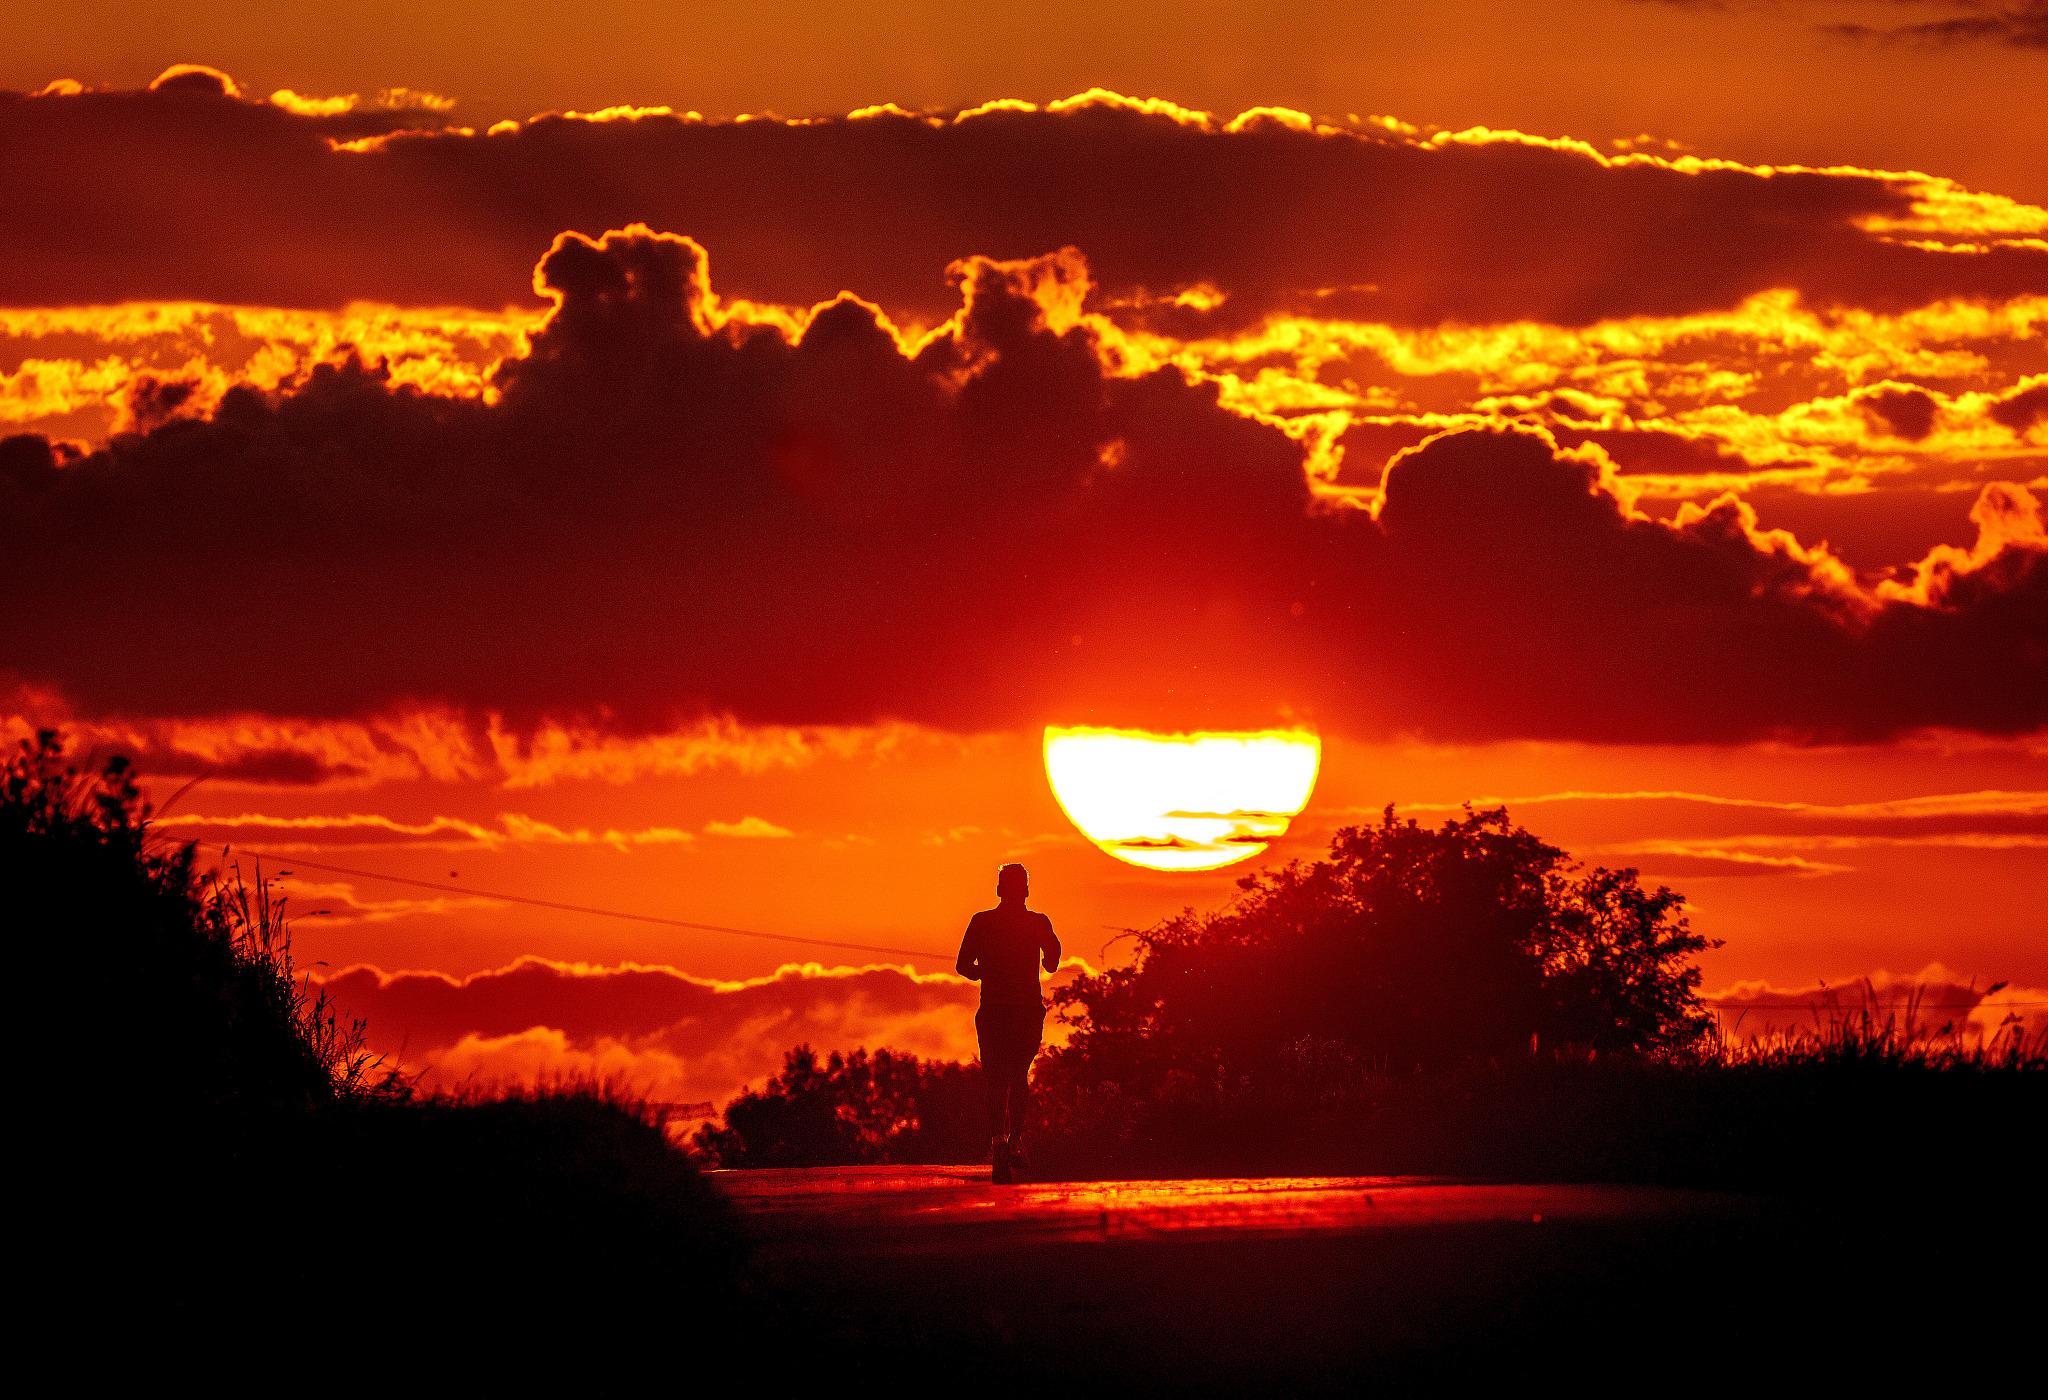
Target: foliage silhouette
(1407, 946)
(195, 977)
(880, 1106)
(215, 1131)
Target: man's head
(1012, 882)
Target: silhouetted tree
(1407, 946)
(879, 1106)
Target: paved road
(892, 1209)
(1239, 1286)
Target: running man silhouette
(1003, 949)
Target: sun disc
(1181, 801)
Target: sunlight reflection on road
(909, 1205)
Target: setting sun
(1181, 801)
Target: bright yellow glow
(1181, 801)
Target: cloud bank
(661, 1032)
(1266, 213)
(669, 509)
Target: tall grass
(1886, 1029)
(256, 923)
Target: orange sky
(1691, 506)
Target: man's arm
(1049, 945)
(968, 964)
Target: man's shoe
(1002, 1174)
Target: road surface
(1238, 1285)
(896, 1209)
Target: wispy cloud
(1987, 819)
(1696, 859)
(301, 833)
(1994, 801)
(2015, 23)
(2022, 25)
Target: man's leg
(1017, 1093)
(996, 1092)
(988, 1033)
(997, 1078)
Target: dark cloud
(1904, 411)
(1369, 443)
(431, 1010)
(187, 193)
(662, 515)
(2020, 24)
(152, 401)
(1663, 451)
(1893, 515)
(29, 463)
(664, 1032)
(2023, 407)
(268, 766)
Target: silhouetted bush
(848, 1109)
(1407, 946)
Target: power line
(596, 912)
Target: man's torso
(1008, 943)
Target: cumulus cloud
(664, 1032)
(1261, 214)
(667, 511)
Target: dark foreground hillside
(209, 1145)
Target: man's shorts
(1009, 1037)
